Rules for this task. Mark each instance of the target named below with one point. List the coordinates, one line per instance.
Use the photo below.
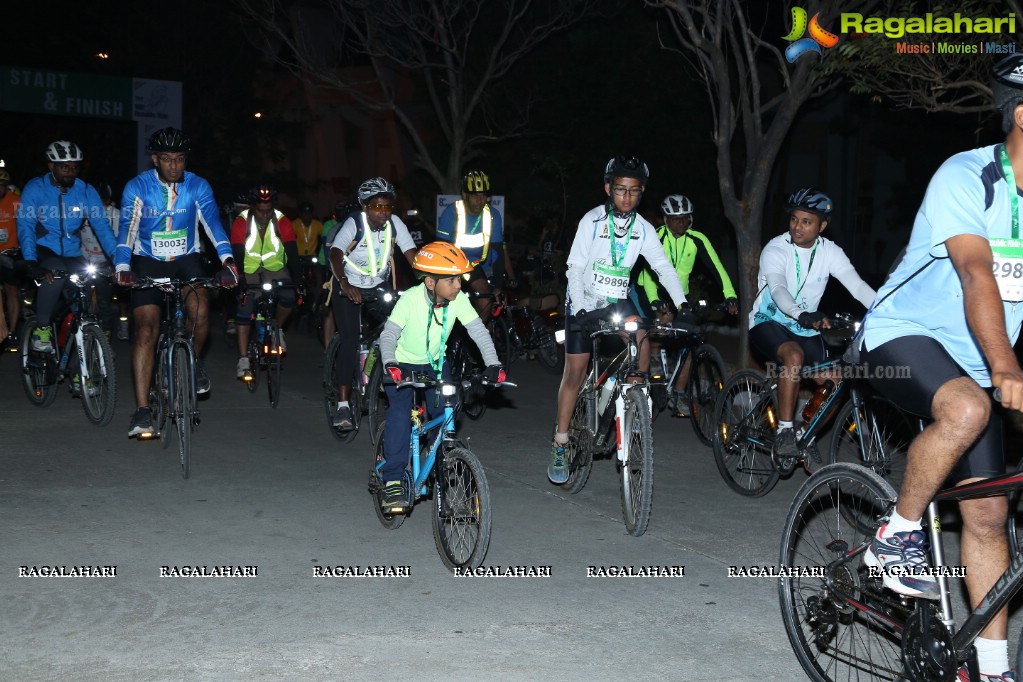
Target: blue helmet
(810, 199)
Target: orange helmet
(441, 258)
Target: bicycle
(842, 623)
(450, 474)
(706, 377)
(80, 354)
(612, 412)
(367, 394)
(523, 331)
(264, 350)
(172, 395)
(746, 415)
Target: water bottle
(363, 355)
(260, 327)
(371, 361)
(605, 394)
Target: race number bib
(3, 235)
(610, 281)
(1008, 268)
(169, 244)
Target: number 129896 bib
(1008, 268)
(610, 281)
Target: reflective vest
(472, 241)
(374, 265)
(266, 250)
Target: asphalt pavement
(276, 499)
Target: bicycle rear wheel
(376, 398)
(580, 443)
(184, 403)
(461, 510)
(705, 383)
(36, 370)
(99, 388)
(273, 366)
(841, 625)
(376, 485)
(745, 419)
(637, 472)
(886, 438)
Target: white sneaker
(242, 368)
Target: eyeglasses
(69, 165)
(380, 207)
(169, 159)
(631, 191)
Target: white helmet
(374, 187)
(676, 205)
(63, 151)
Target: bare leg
(147, 324)
(576, 367)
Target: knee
(965, 407)
(984, 518)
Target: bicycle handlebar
(168, 284)
(422, 380)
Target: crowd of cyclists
(949, 310)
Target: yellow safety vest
(266, 250)
(472, 241)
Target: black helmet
(626, 167)
(809, 199)
(1007, 87)
(169, 140)
(475, 181)
(262, 194)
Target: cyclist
(263, 240)
(308, 231)
(161, 210)
(54, 207)
(608, 241)
(361, 255)
(470, 225)
(784, 322)
(10, 278)
(414, 339)
(681, 244)
(950, 313)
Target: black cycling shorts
(577, 341)
(767, 337)
(186, 267)
(929, 367)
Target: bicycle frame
(81, 316)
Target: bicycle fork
(623, 428)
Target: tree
(458, 50)
(755, 95)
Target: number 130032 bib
(1008, 268)
(610, 281)
(169, 244)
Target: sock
(784, 425)
(343, 403)
(899, 524)
(992, 655)
(560, 438)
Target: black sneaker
(785, 443)
(202, 382)
(394, 498)
(343, 418)
(142, 424)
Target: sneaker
(343, 418)
(785, 443)
(557, 470)
(242, 368)
(232, 328)
(41, 341)
(394, 498)
(202, 381)
(1007, 676)
(142, 423)
(682, 407)
(122, 330)
(902, 553)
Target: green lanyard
(438, 362)
(615, 258)
(671, 246)
(813, 254)
(1010, 178)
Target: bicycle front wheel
(637, 472)
(705, 383)
(376, 399)
(36, 369)
(840, 622)
(273, 368)
(255, 358)
(184, 402)
(746, 415)
(881, 446)
(548, 352)
(461, 510)
(99, 385)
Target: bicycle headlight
(90, 269)
(559, 336)
(388, 297)
(448, 389)
(616, 318)
(631, 326)
(315, 260)
(267, 286)
(75, 279)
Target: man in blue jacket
(54, 207)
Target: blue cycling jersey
(161, 221)
(49, 218)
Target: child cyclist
(609, 240)
(413, 340)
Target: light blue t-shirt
(968, 195)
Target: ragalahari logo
(818, 36)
